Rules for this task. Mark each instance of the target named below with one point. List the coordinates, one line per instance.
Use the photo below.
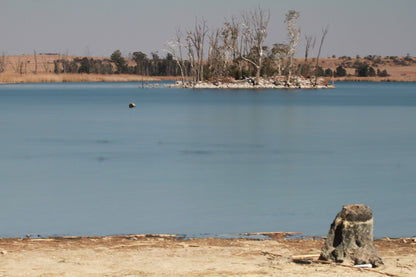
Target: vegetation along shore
(21, 69)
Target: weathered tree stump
(350, 238)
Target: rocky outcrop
(350, 238)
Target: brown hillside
(398, 68)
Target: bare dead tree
(45, 64)
(254, 26)
(196, 40)
(191, 58)
(215, 54)
(324, 33)
(309, 45)
(176, 48)
(293, 38)
(231, 36)
(36, 62)
(18, 66)
(226, 41)
(64, 58)
(2, 63)
(237, 42)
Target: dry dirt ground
(145, 255)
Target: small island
(222, 58)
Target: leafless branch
(324, 33)
(254, 26)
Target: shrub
(365, 71)
(369, 57)
(408, 58)
(382, 73)
(85, 66)
(371, 72)
(340, 71)
(328, 72)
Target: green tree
(119, 61)
(382, 73)
(340, 71)
(371, 72)
(328, 72)
(364, 70)
(85, 66)
(142, 62)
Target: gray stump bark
(350, 238)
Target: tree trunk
(289, 75)
(350, 238)
(324, 32)
(36, 62)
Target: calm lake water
(75, 160)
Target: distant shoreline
(7, 78)
(40, 69)
(375, 79)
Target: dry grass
(13, 78)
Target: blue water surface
(75, 160)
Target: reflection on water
(75, 160)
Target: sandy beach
(164, 255)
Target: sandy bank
(143, 255)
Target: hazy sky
(99, 27)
